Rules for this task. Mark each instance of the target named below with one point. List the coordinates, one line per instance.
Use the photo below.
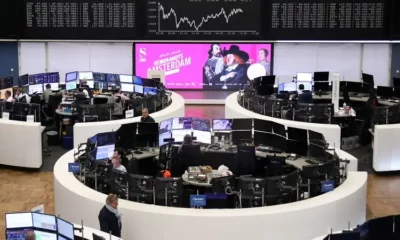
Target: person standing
(109, 216)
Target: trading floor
(23, 190)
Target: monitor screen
(54, 86)
(61, 238)
(19, 220)
(126, 78)
(86, 75)
(304, 77)
(321, 76)
(99, 77)
(202, 136)
(72, 76)
(138, 89)
(19, 234)
(105, 152)
(262, 125)
(182, 123)
(163, 136)
(45, 235)
(150, 91)
(23, 80)
(112, 79)
(148, 82)
(44, 221)
(137, 80)
(384, 91)
(166, 125)
(52, 77)
(242, 124)
(321, 86)
(38, 88)
(354, 86)
(179, 134)
(288, 87)
(65, 228)
(36, 78)
(222, 124)
(185, 63)
(201, 124)
(90, 83)
(307, 85)
(70, 86)
(127, 87)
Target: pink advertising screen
(202, 66)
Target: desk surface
(144, 155)
(355, 99)
(63, 113)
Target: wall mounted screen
(202, 66)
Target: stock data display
(193, 19)
(328, 19)
(79, 19)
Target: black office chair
(191, 155)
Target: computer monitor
(262, 125)
(172, 185)
(71, 76)
(321, 76)
(242, 124)
(54, 86)
(251, 185)
(37, 88)
(112, 79)
(297, 134)
(278, 129)
(148, 82)
(45, 235)
(368, 78)
(354, 87)
(182, 123)
(139, 89)
(313, 135)
(137, 80)
(127, 87)
(90, 83)
(179, 134)
(17, 234)
(222, 184)
(386, 92)
(44, 221)
(201, 124)
(202, 136)
(267, 80)
(85, 75)
(306, 77)
(162, 136)
(53, 77)
(321, 86)
(396, 92)
(126, 136)
(23, 80)
(317, 152)
(307, 85)
(342, 85)
(36, 78)
(144, 128)
(290, 87)
(396, 82)
(106, 138)
(141, 183)
(125, 78)
(18, 220)
(105, 152)
(70, 86)
(222, 124)
(62, 238)
(165, 125)
(99, 77)
(238, 136)
(261, 138)
(150, 91)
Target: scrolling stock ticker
(202, 65)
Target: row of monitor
(45, 226)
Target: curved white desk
(21, 144)
(300, 220)
(88, 233)
(330, 131)
(83, 131)
(386, 145)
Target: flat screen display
(89, 83)
(139, 89)
(37, 88)
(99, 77)
(43, 221)
(86, 75)
(307, 85)
(137, 80)
(201, 124)
(150, 91)
(105, 152)
(36, 79)
(179, 134)
(127, 87)
(202, 66)
(288, 87)
(125, 78)
(17, 234)
(51, 77)
(45, 235)
(166, 125)
(19, 220)
(202, 136)
(112, 79)
(222, 124)
(304, 77)
(70, 86)
(182, 123)
(65, 228)
(23, 80)
(72, 76)
(162, 136)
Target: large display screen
(202, 66)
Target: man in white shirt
(116, 162)
(8, 97)
(84, 86)
(46, 93)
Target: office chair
(191, 155)
(87, 112)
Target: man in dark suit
(304, 96)
(235, 73)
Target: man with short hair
(305, 96)
(146, 117)
(8, 96)
(46, 93)
(116, 162)
(30, 236)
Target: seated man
(116, 162)
(146, 117)
(187, 140)
(8, 97)
(304, 96)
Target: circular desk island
(303, 220)
(83, 131)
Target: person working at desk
(8, 97)
(109, 216)
(118, 93)
(304, 96)
(116, 162)
(146, 117)
(86, 89)
(46, 93)
(187, 140)
(30, 236)
(21, 96)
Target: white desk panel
(21, 144)
(88, 233)
(82, 131)
(386, 145)
(74, 201)
(331, 132)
